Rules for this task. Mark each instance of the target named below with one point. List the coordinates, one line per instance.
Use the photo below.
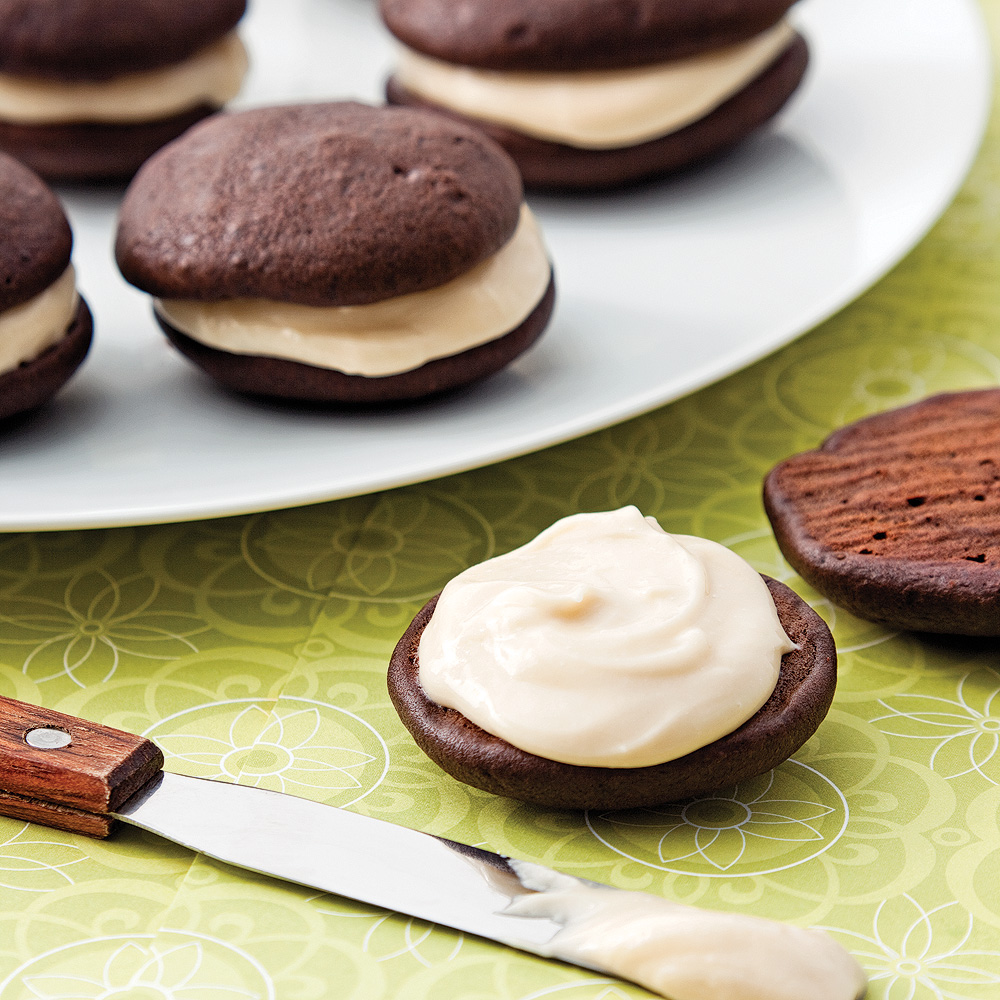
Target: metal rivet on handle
(48, 739)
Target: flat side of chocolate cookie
(897, 517)
(800, 701)
(99, 39)
(282, 379)
(35, 382)
(372, 203)
(574, 34)
(94, 151)
(36, 241)
(546, 165)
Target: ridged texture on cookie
(897, 517)
(98, 39)
(291, 380)
(795, 709)
(557, 166)
(35, 382)
(35, 238)
(319, 204)
(574, 34)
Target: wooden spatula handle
(66, 772)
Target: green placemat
(253, 649)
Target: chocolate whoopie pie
(897, 517)
(596, 93)
(45, 327)
(337, 253)
(90, 88)
(792, 713)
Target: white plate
(660, 291)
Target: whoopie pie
(45, 326)
(337, 253)
(90, 88)
(599, 93)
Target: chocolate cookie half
(897, 517)
(575, 34)
(90, 88)
(587, 94)
(45, 327)
(356, 254)
(800, 701)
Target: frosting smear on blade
(684, 952)
(605, 642)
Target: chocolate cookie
(798, 704)
(90, 88)
(373, 204)
(897, 517)
(88, 151)
(756, 63)
(35, 238)
(35, 247)
(576, 35)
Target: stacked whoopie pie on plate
(45, 326)
(338, 253)
(598, 93)
(89, 88)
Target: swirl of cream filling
(596, 109)
(28, 329)
(606, 642)
(212, 76)
(383, 338)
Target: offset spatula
(79, 776)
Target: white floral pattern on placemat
(963, 730)
(190, 967)
(99, 620)
(912, 951)
(299, 746)
(32, 862)
(785, 816)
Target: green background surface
(253, 649)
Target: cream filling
(683, 952)
(383, 338)
(606, 642)
(28, 329)
(212, 76)
(602, 109)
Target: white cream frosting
(683, 952)
(211, 76)
(387, 337)
(598, 109)
(605, 642)
(29, 328)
